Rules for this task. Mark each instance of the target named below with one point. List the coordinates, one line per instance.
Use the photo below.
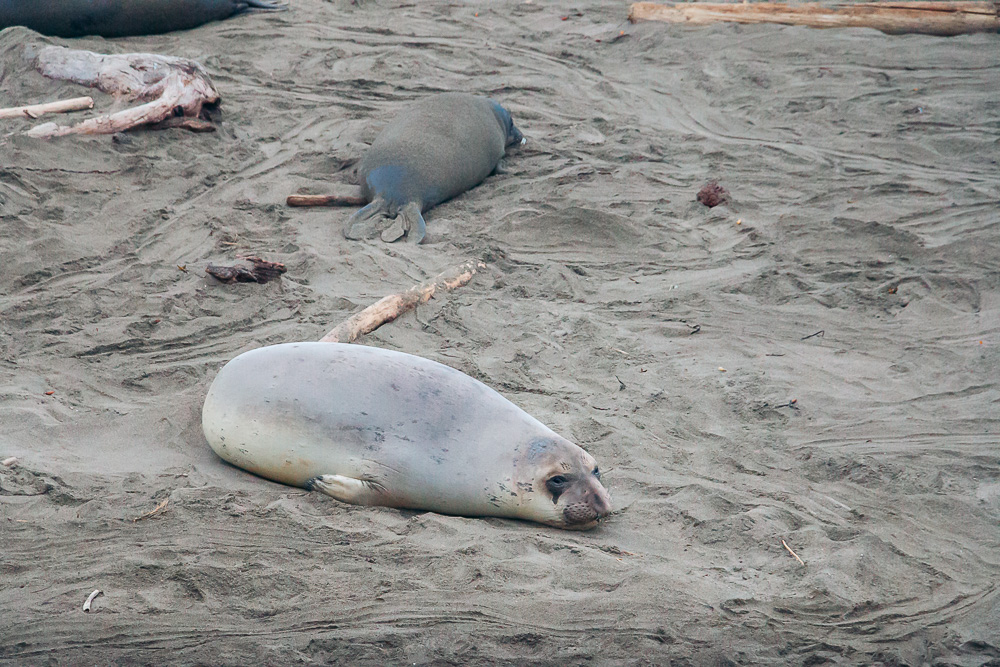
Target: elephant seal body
(376, 427)
(440, 147)
(119, 18)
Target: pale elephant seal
(376, 427)
(119, 18)
(437, 149)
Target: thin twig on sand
(90, 600)
(170, 87)
(153, 511)
(36, 110)
(389, 308)
(792, 552)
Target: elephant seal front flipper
(437, 149)
(348, 489)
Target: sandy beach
(811, 367)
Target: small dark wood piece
(262, 271)
(184, 123)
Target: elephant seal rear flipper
(372, 221)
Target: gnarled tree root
(170, 87)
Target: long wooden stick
(325, 200)
(929, 18)
(389, 308)
(36, 110)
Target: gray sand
(864, 204)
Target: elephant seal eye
(597, 472)
(556, 485)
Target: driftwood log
(36, 110)
(170, 87)
(894, 18)
(394, 305)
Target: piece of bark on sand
(389, 308)
(894, 18)
(170, 87)
(260, 271)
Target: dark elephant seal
(119, 18)
(376, 427)
(438, 148)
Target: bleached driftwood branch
(389, 308)
(929, 18)
(36, 110)
(170, 87)
(90, 600)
